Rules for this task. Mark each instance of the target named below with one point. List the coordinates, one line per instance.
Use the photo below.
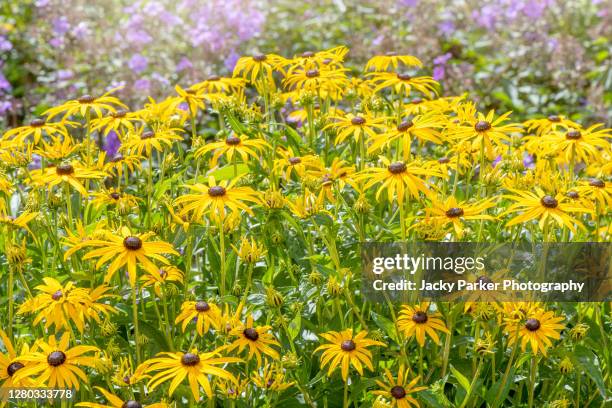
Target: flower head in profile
(120, 121)
(216, 199)
(258, 66)
(127, 249)
(233, 145)
(162, 278)
(88, 104)
(145, 141)
(113, 401)
(398, 389)
(37, 128)
(216, 84)
(451, 211)
(536, 330)
(403, 83)
(393, 60)
(271, 378)
(66, 173)
(257, 339)
(549, 124)
(355, 126)
(417, 321)
(204, 314)
(56, 364)
(193, 97)
(346, 349)
(11, 362)
(194, 366)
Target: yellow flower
(57, 365)
(290, 162)
(549, 124)
(70, 173)
(116, 402)
(216, 84)
(536, 330)
(192, 97)
(578, 144)
(232, 146)
(37, 128)
(403, 83)
(10, 363)
(60, 148)
(127, 249)
(165, 274)
(417, 321)
(205, 314)
(249, 251)
(125, 376)
(17, 222)
(307, 205)
(196, 367)
(159, 139)
(217, 198)
(271, 378)
(119, 122)
(87, 103)
(397, 178)
(117, 164)
(250, 68)
(398, 389)
(382, 62)
(542, 206)
(357, 126)
(256, 339)
(598, 191)
(332, 81)
(452, 211)
(345, 349)
(114, 197)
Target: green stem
(135, 320)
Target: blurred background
(529, 56)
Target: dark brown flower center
(232, 140)
(549, 201)
(572, 194)
(554, 118)
(13, 367)
(391, 54)
(404, 126)
(64, 169)
(397, 167)
(348, 345)
(251, 334)
(37, 123)
(482, 126)
(484, 280)
(398, 392)
(214, 78)
(404, 77)
(259, 57)
(308, 54)
(454, 212)
(216, 191)
(119, 114)
(597, 183)
(295, 160)
(202, 306)
(86, 99)
(132, 243)
(117, 158)
(532, 324)
(190, 359)
(270, 383)
(131, 404)
(115, 196)
(573, 135)
(56, 358)
(443, 160)
(57, 295)
(358, 121)
(416, 101)
(127, 379)
(147, 135)
(312, 73)
(419, 317)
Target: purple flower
(409, 3)
(439, 72)
(138, 63)
(446, 27)
(64, 74)
(5, 106)
(111, 144)
(230, 60)
(35, 164)
(81, 30)
(60, 26)
(138, 37)
(442, 59)
(41, 3)
(56, 42)
(183, 64)
(5, 85)
(528, 161)
(496, 161)
(5, 44)
(142, 85)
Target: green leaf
(227, 172)
(585, 359)
(294, 327)
(463, 381)
(385, 325)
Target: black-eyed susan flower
(233, 145)
(355, 126)
(10, 363)
(113, 401)
(257, 339)
(87, 103)
(196, 367)
(403, 83)
(536, 329)
(217, 198)
(57, 365)
(250, 251)
(67, 173)
(398, 389)
(332, 81)
(307, 205)
(289, 162)
(271, 378)
(542, 207)
(397, 178)
(145, 141)
(578, 144)
(251, 68)
(59, 149)
(164, 275)
(193, 97)
(37, 128)
(120, 121)
(217, 84)
(551, 123)
(114, 197)
(451, 211)
(346, 349)
(19, 222)
(204, 314)
(392, 59)
(119, 164)
(417, 321)
(597, 190)
(127, 249)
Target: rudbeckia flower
(56, 365)
(159, 139)
(217, 84)
(165, 274)
(357, 126)
(536, 329)
(251, 68)
(391, 59)
(69, 173)
(256, 339)
(398, 389)
(233, 145)
(119, 121)
(37, 128)
(578, 144)
(417, 321)
(549, 124)
(196, 367)
(454, 212)
(10, 363)
(114, 401)
(87, 103)
(403, 83)
(599, 191)
(346, 349)
(203, 313)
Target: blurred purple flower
(5, 44)
(231, 59)
(60, 25)
(142, 85)
(5, 85)
(56, 42)
(183, 64)
(496, 161)
(36, 163)
(439, 70)
(41, 3)
(111, 144)
(138, 63)
(528, 161)
(409, 3)
(5, 106)
(446, 27)
(81, 30)
(64, 74)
